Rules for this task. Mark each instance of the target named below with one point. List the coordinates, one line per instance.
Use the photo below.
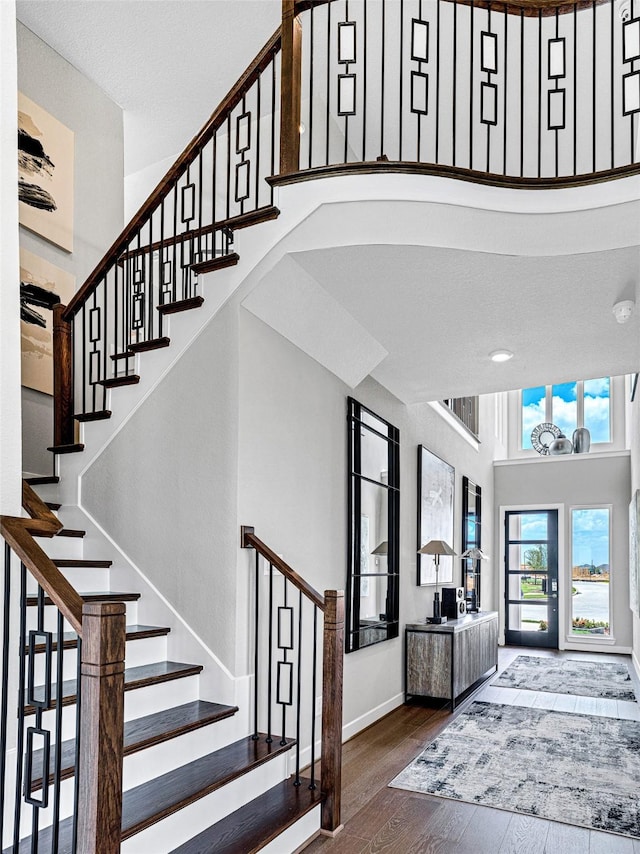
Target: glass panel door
(531, 578)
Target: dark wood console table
(443, 662)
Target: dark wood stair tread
(151, 344)
(251, 218)
(127, 355)
(212, 264)
(63, 532)
(87, 564)
(146, 731)
(134, 677)
(134, 632)
(115, 382)
(180, 305)
(146, 804)
(53, 505)
(37, 481)
(93, 596)
(100, 415)
(257, 823)
(75, 448)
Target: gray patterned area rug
(565, 676)
(571, 768)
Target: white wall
(634, 435)
(96, 121)
(10, 442)
(573, 481)
(293, 489)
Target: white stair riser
(51, 617)
(137, 703)
(155, 698)
(138, 652)
(176, 829)
(61, 547)
(82, 579)
(293, 838)
(161, 758)
(48, 491)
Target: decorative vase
(581, 440)
(560, 446)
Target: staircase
(190, 785)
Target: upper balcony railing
(537, 93)
(529, 93)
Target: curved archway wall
(248, 425)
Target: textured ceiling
(440, 312)
(167, 63)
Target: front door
(531, 578)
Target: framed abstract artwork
(436, 485)
(45, 174)
(42, 285)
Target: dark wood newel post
(63, 427)
(333, 654)
(102, 726)
(290, 88)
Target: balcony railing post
(99, 807)
(333, 653)
(63, 427)
(290, 89)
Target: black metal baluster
(346, 117)
(76, 779)
(228, 214)
(506, 88)
(4, 691)
(200, 258)
(105, 333)
(269, 739)
(298, 694)
(257, 136)
(419, 115)
(539, 93)
(455, 78)
(273, 123)
(83, 351)
(214, 172)
(256, 653)
(153, 302)
(521, 92)
(174, 276)
(283, 739)
(310, 63)
(471, 86)
(57, 759)
(575, 88)
(437, 141)
(21, 699)
(557, 86)
(312, 784)
(594, 86)
(401, 79)
(613, 135)
(35, 810)
(364, 81)
(328, 92)
(94, 344)
(489, 79)
(382, 44)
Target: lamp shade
(436, 547)
(382, 548)
(475, 554)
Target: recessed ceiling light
(501, 355)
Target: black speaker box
(453, 604)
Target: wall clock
(543, 435)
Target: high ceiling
(438, 312)
(167, 63)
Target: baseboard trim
(358, 724)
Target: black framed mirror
(471, 531)
(374, 528)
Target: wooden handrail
(217, 119)
(250, 541)
(18, 532)
(530, 8)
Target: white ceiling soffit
(167, 63)
(294, 304)
(440, 312)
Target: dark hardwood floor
(380, 820)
